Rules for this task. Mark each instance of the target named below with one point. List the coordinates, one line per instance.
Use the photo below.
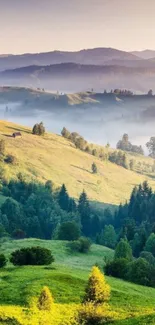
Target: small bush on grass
(32, 256)
(45, 301)
(91, 314)
(97, 290)
(117, 268)
(82, 245)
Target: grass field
(52, 157)
(67, 279)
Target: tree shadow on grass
(19, 129)
(83, 169)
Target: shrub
(117, 268)
(85, 244)
(38, 129)
(91, 314)
(97, 290)
(82, 245)
(69, 231)
(45, 300)
(32, 256)
(139, 272)
(3, 260)
(94, 168)
(10, 159)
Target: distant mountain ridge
(146, 54)
(72, 77)
(96, 56)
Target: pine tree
(45, 301)
(97, 290)
(63, 198)
(84, 210)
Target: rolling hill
(67, 279)
(55, 158)
(74, 77)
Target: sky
(46, 25)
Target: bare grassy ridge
(55, 158)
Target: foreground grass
(67, 279)
(53, 157)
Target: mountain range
(97, 68)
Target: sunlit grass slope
(67, 279)
(55, 158)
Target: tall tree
(63, 198)
(84, 210)
(123, 250)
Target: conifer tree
(45, 300)
(84, 210)
(63, 198)
(97, 290)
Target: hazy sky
(45, 25)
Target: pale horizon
(37, 26)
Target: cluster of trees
(140, 270)
(116, 157)
(131, 230)
(38, 129)
(123, 92)
(36, 210)
(126, 145)
(119, 158)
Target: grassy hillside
(67, 279)
(55, 158)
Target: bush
(69, 231)
(3, 260)
(38, 129)
(94, 168)
(91, 314)
(45, 300)
(97, 290)
(82, 245)
(139, 272)
(117, 268)
(32, 256)
(10, 159)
